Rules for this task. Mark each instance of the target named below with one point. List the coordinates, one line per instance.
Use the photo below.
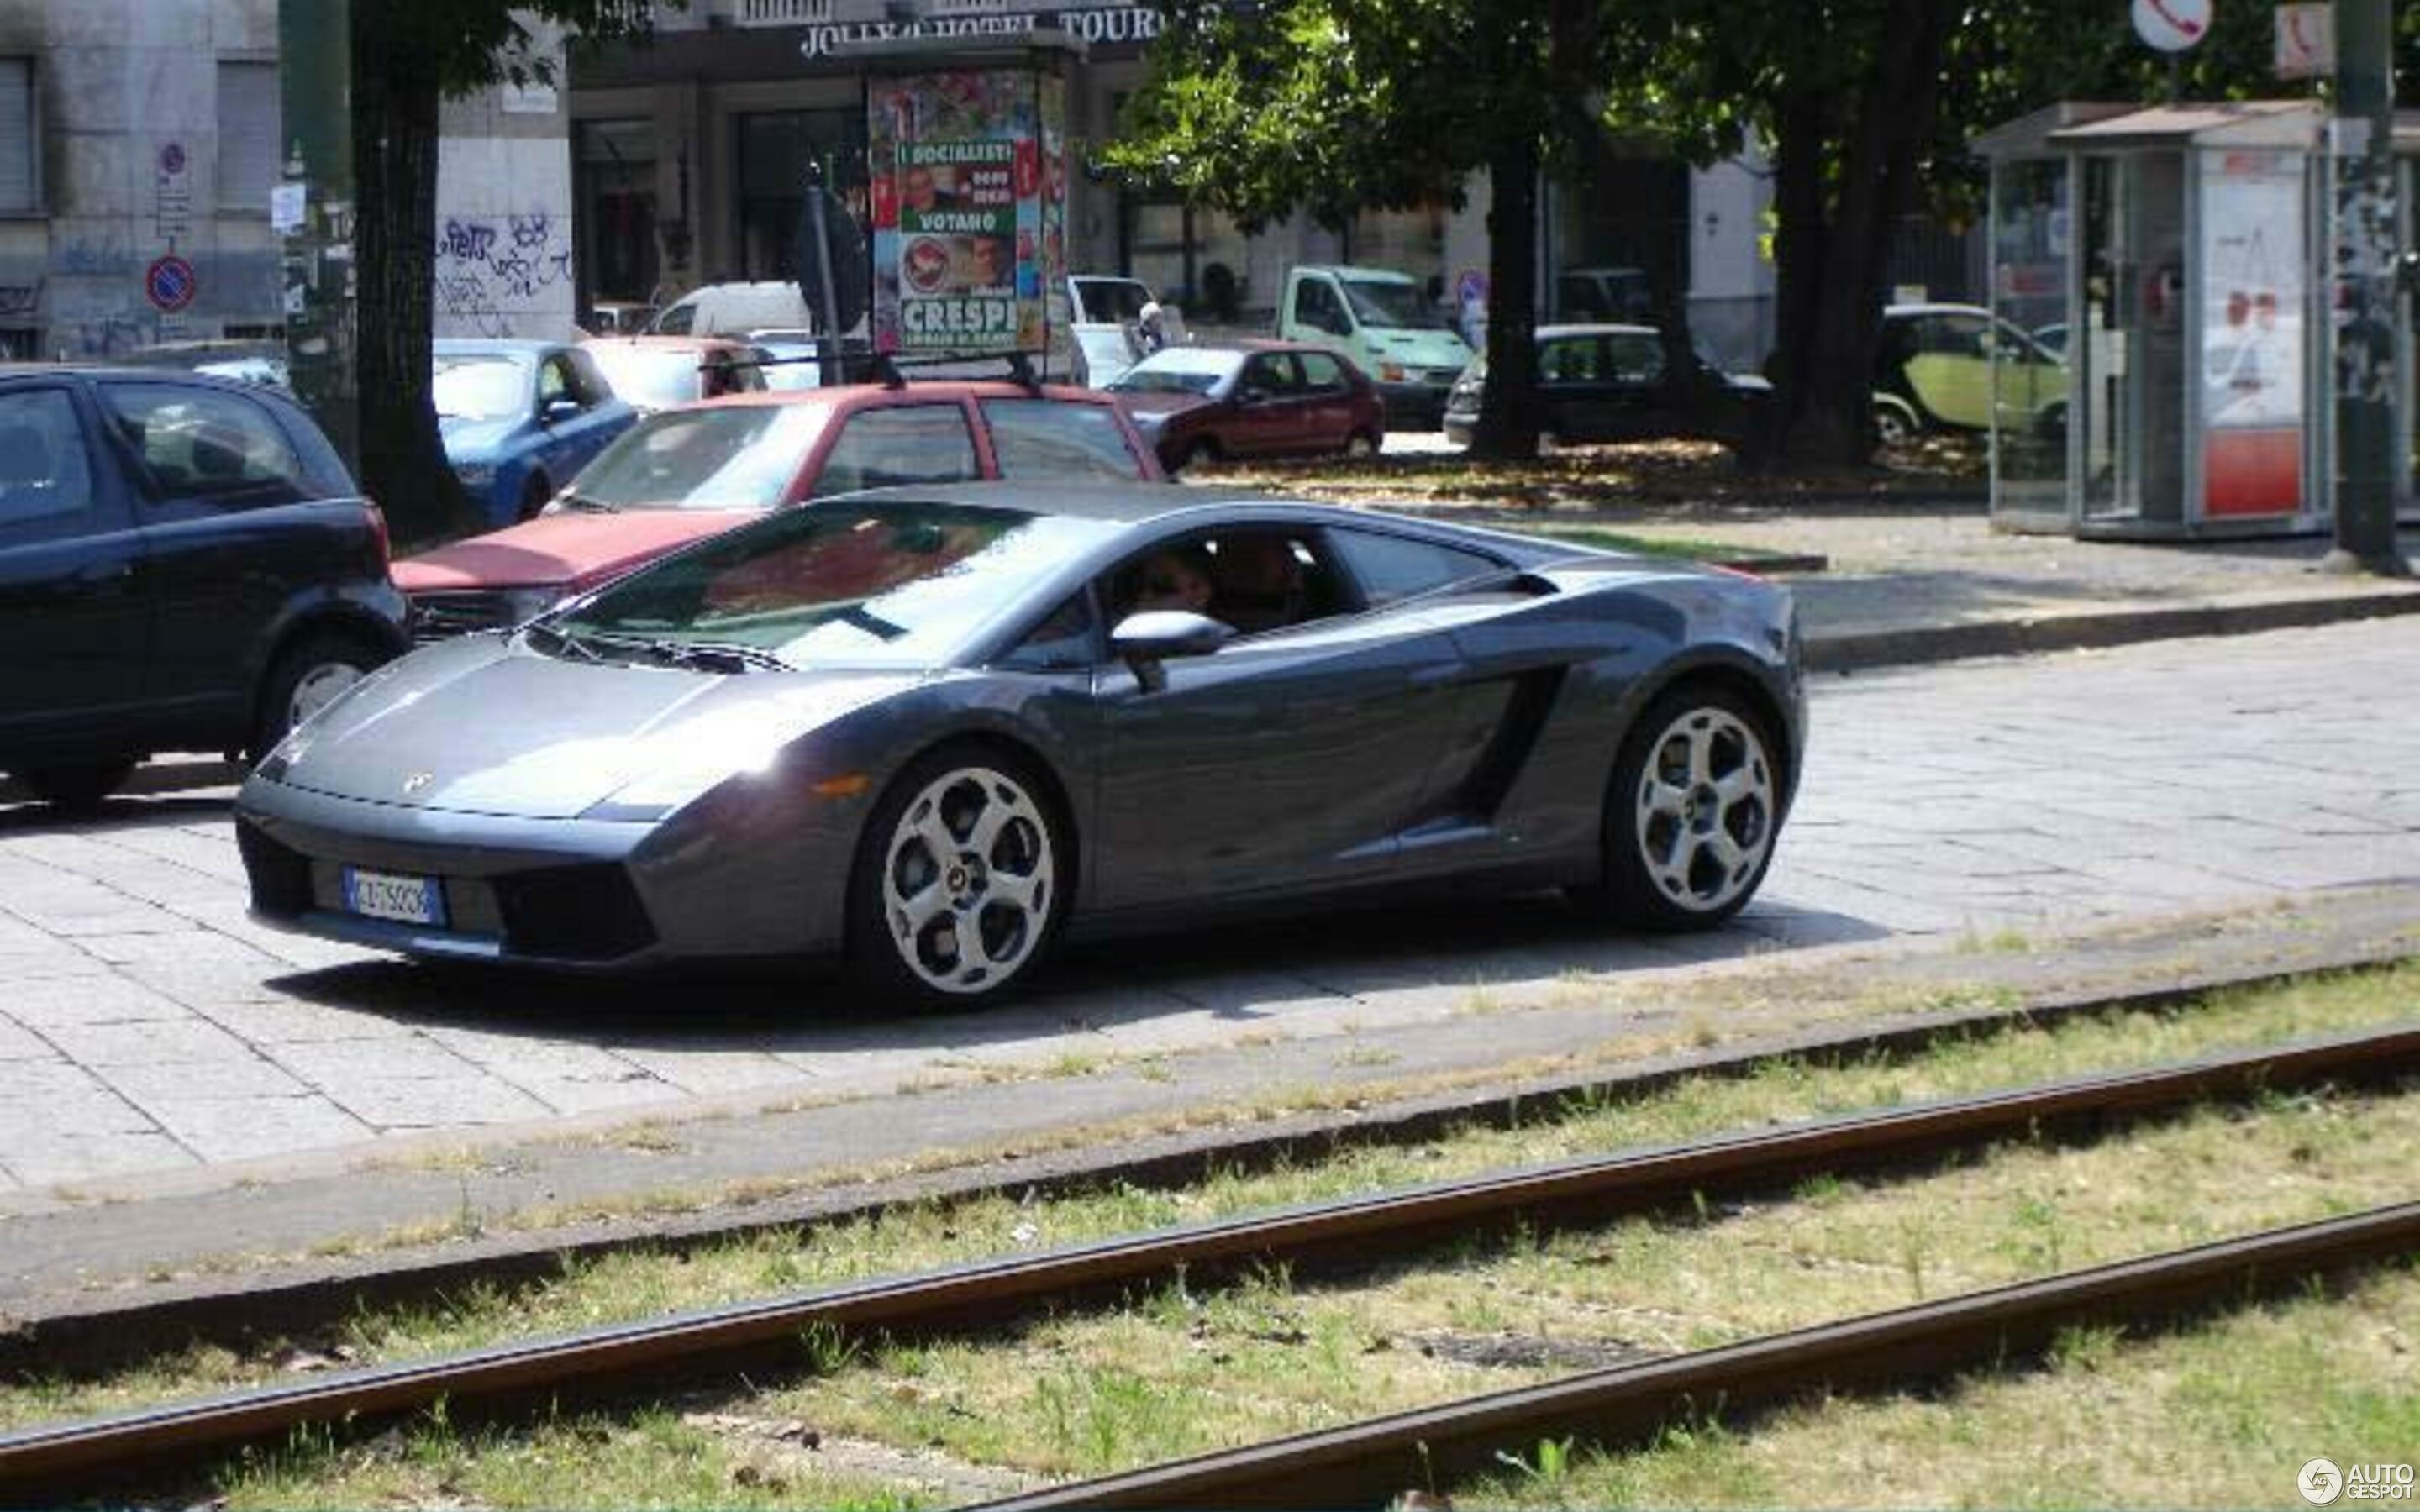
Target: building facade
(139, 144)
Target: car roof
(515, 345)
(1596, 327)
(1931, 307)
(670, 344)
(931, 388)
(1121, 503)
(1393, 275)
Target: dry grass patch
(641, 1283)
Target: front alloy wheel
(1692, 814)
(969, 880)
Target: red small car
(682, 474)
(1255, 398)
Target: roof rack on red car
(893, 371)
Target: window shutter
(250, 164)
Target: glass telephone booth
(2162, 256)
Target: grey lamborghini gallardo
(929, 730)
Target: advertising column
(967, 174)
(2252, 331)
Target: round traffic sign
(169, 283)
(2172, 25)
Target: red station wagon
(683, 474)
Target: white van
(732, 310)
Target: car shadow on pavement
(1236, 974)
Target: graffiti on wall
(18, 300)
(489, 269)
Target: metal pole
(827, 298)
(315, 78)
(2362, 157)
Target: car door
(72, 607)
(1634, 377)
(1950, 368)
(1328, 402)
(1288, 761)
(218, 484)
(1579, 402)
(1271, 409)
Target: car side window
(204, 443)
(899, 443)
(1268, 375)
(1322, 373)
(1045, 439)
(45, 481)
(1062, 642)
(1393, 567)
(1635, 358)
(588, 382)
(554, 382)
(1258, 578)
(1315, 305)
(676, 321)
(1569, 359)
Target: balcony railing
(782, 12)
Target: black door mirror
(555, 411)
(1145, 640)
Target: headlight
(476, 474)
(1392, 372)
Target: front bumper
(1416, 402)
(570, 894)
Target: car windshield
(735, 458)
(1111, 298)
(1177, 370)
(481, 387)
(654, 377)
(893, 582)
(1391, 302)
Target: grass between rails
(2222, 1415)
(1180, 1372)
(638, 1285)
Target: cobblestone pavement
(147, 1025)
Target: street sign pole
(315, 74)
(2362, 158)
(826, 292)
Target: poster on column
(966, 174)
(2252, 334)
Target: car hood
(474, 440)
(575, 549)
(1418, 349)
(1151, 409)
(477, 726)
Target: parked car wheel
(306, 677)
(79, 788)
(1361, 444)
(1893, 425)
(1196, 457)
(959, 886)
(534, 494)
(1691, 814)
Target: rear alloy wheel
(957, 891)
(1196, 459)
(1692, 814)
(78, 789)
(1360, 445)
(307, 677)
(1892, 426)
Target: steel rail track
(1368, 1463)
(100, 1333)
(1312, 1240)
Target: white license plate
(385, 895)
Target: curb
(1861, 651)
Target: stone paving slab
(1980, 799)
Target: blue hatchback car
(519, 418)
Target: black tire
(534, 494)
(1894, 426)
(1031, 844)
(78, 788)
(298, 667)
(1196, 457)
(1361, 445)
(1647, 883)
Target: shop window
(775, 148)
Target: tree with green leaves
(409, 56)
(1330, 107)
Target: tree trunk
(1508, 407)
(1830, 418)
(394, 175)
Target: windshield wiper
(705, 656)
(563, 640)
(586, 505)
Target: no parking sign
(169, 283)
